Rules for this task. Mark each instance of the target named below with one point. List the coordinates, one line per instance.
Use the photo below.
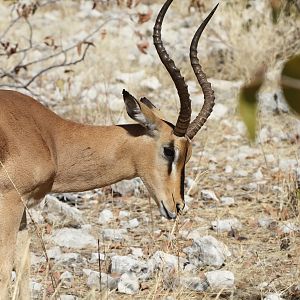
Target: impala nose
(165, 212)
(180, 207)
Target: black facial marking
(169, 154)
(182, 177)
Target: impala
(40, 153)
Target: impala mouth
(165, 212)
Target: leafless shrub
(21, 66)
(251, 39)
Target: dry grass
(261, 262)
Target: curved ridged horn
(184, 117)
(208, 92)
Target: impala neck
(89, 157)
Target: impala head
(169, 146)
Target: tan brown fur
(44, 153)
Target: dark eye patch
(169, 153)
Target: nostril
(178, 207)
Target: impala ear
(140, 112)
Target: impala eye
(169, 153)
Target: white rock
(114, 234)
(270, 158)
(195, 233)
(124, 214)
(273, 296)
(226, 201)
(122, 264)
(226, 224)
(35, 260)
(161, 260)
(68, 258)
(241, 173)
(130, 77)
(73, 238)
(66, 279)
(151, 83)
(127, 187)
(95, 257)
(208, 195)
(36, 215)
(258, 175)
(64, 213)
(54, 253)
(93, 281)
(105, 217)
(289, 227)
(128, 284)
(220, 279)
(194, 283)
(67, 297)
(228, 169)
(130, 224)
(137, 252)
(219, 111)
(207, 251)
(287, 164)
(36, 289)
(265, 221)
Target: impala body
(40, 153)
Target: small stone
(273, 296)
(161, 260)
(66, 279)
(219, 111)
(151, 83)
(207, 250)
(114, 234)
(226, 224)
(56, 211)
(130, 224)
(241, 173)
(194, 283)
(128, 284)
(35, 260)
(226, 201)
(130, 77)
(127, 187)
(220, 279)
(54, 253)
(68, 258)
(124, 214)
(265, 222)
(228, 169)
(289, 228)
(94, 280)
(270, 158)
(95, 257)
(258, 175)
(287, 164)
(73, 238)
(67, 297)
(137, 252)
(36, 289)
(208, 195)
(122, 264)
(252, 186)
(105, 217)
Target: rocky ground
(239, 235)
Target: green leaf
(248, 103)
(290, 83)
